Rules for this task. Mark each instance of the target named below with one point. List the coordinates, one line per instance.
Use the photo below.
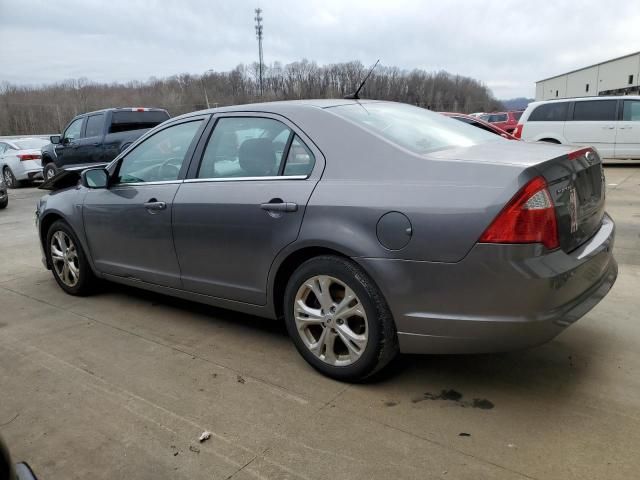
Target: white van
(609, 124)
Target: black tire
(87, 280)
(382, 343)
(10, 179)
(4, 203)
(49, 171)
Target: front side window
(245, 147)
(95, 125)
(631, 111)
(416, 129)
(73, 131)
(550, 112)
(595, 110)
(160, 157)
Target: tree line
(30, 110)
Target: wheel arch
(45, 224)
(289, 264)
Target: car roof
(282, 106)
(125, 109)
(582, 99)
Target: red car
(507, 121)
(476, 122)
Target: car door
(593, 123)
(243, 202)
(67, 149)
(90, 147)
(128, 225)
(628, 135)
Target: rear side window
(125, 120)
(631, 111)
(94, 125)
(244, 147)
(300, 160)
(596, 110)
(550, 112)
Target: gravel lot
(122, 384)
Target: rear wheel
(49, 171)
(338, 319)
(9, 178)
(4, 203)
(67, 259)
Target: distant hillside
(47, 108)
(519, 103)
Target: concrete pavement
(122, 383)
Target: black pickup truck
(98, 137)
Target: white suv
(609, 124)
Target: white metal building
(613, 77)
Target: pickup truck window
(95, 124)
(123, 121)
(73, 131)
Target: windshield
(414, 128)
(30, 143)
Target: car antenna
(354, 96)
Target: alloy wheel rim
(50, 173)
(64, 257)
(331, 320)
(7, 178)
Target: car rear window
(550, 112)
(413, 128)
(126, 120)
(595, 110)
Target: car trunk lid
(576, 183)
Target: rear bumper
(498, 298)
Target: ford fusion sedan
(371, 227)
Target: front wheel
(338, 319)
(9, 178)
(69, 264)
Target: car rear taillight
(529, 217)
(578, 153)
(29, 156)
(517, 132)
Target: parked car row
(89, 139)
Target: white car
(609, 124)
(21, 160)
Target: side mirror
(55, 139)
(95, 178)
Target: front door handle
(608, 128)
(275, 206)
(154, 205)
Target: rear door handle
(154, 205)
(279, 206)
(608, 128)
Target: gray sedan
(371, 227)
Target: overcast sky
(506, 44)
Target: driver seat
(257, 157)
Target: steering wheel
(170, 169)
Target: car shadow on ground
(549, 369)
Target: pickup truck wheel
(9, 178)
(49, 171)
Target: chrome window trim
(137, 184)
(246, 179)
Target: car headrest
(257, 157)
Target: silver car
(21, 160)
(371, 227)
